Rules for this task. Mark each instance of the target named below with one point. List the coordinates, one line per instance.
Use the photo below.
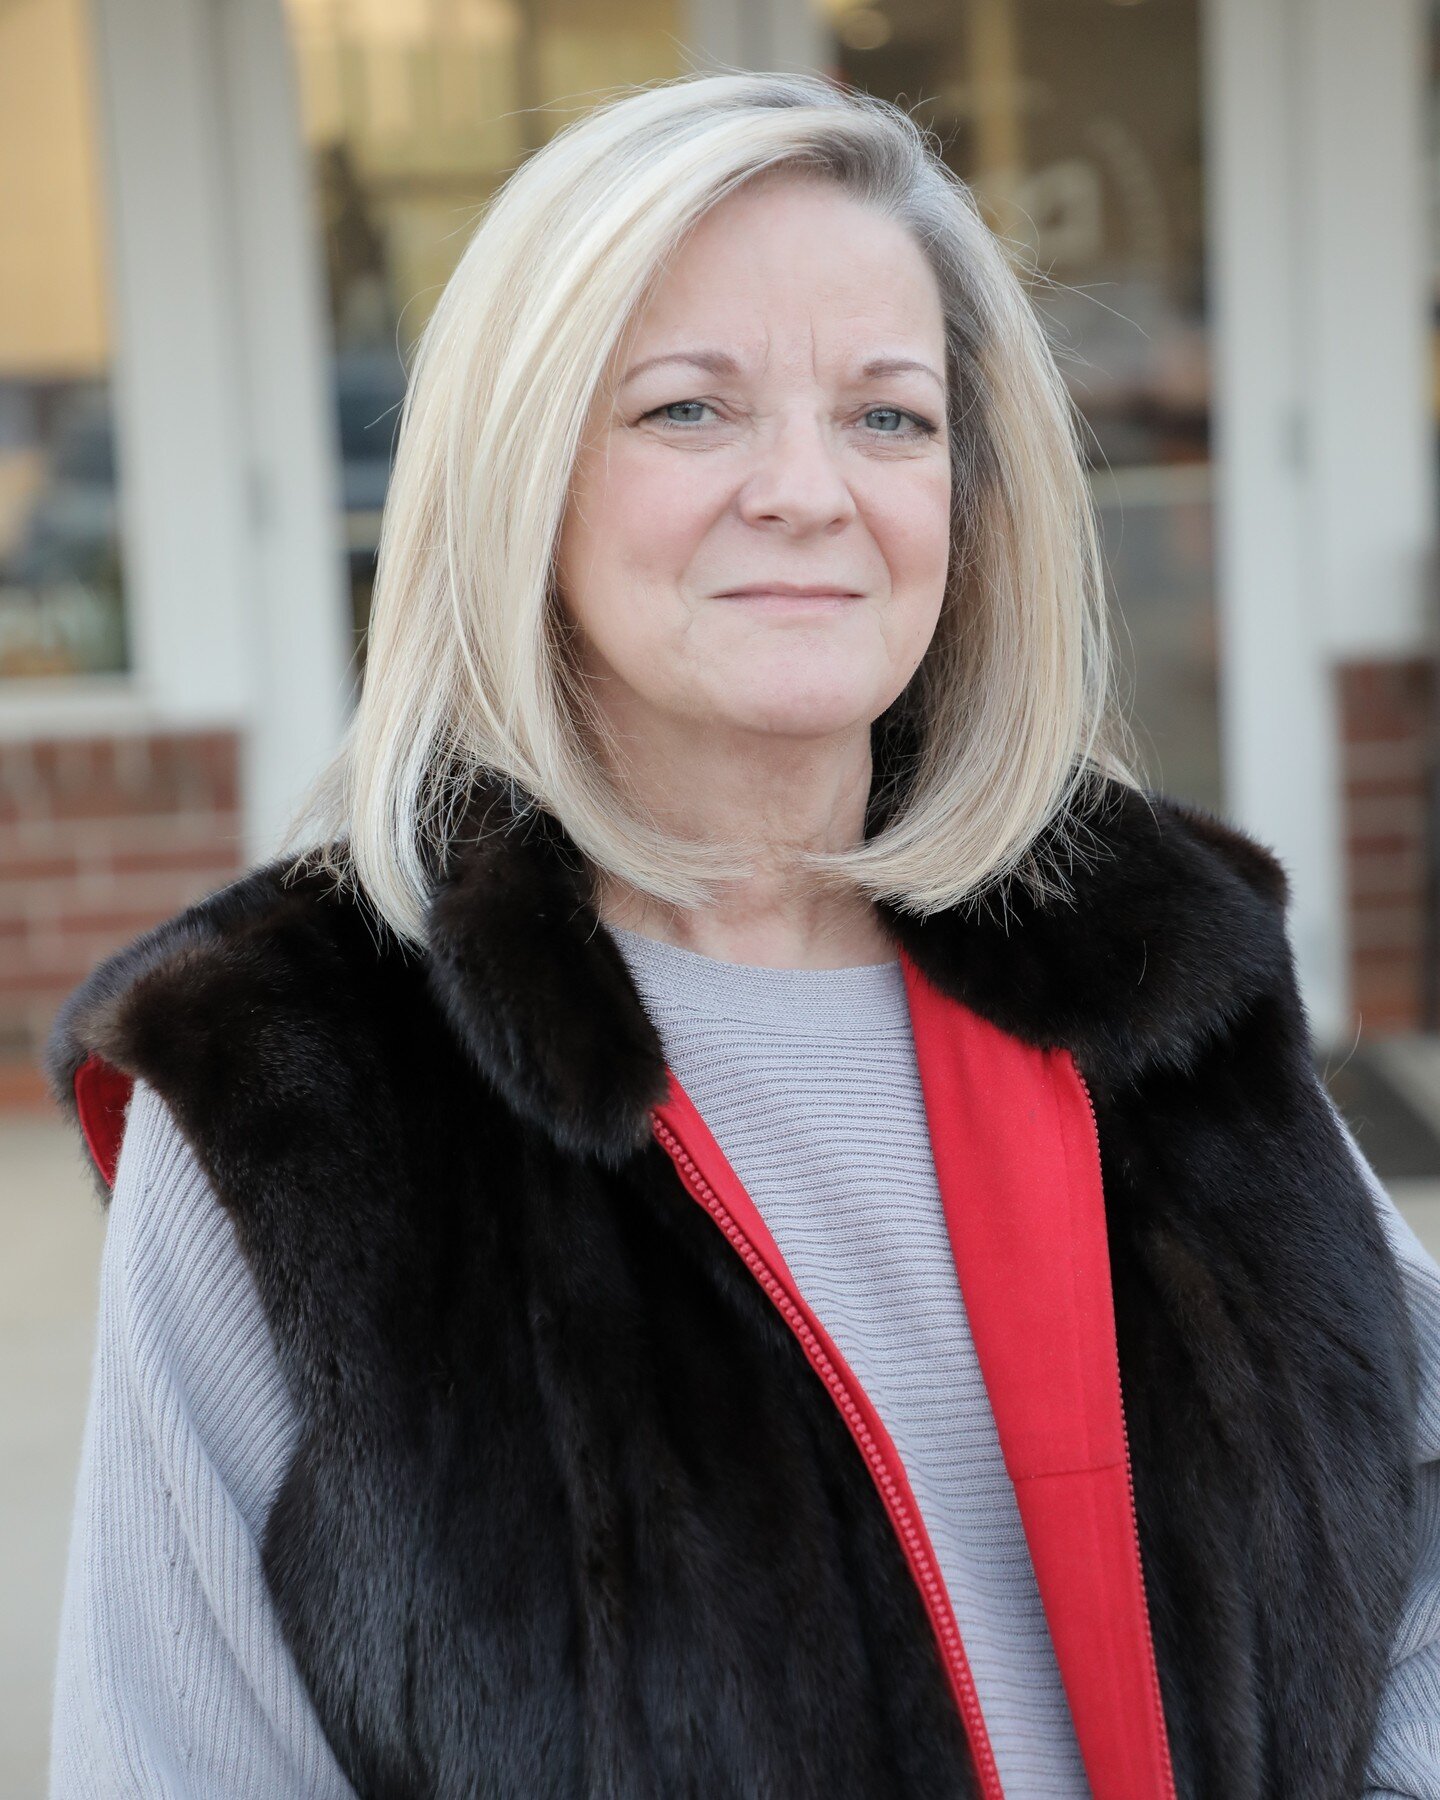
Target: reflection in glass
(1078, 124)
(61, 578)
(415, 112)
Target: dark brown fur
(570, 1513)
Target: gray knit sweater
(173, 1680)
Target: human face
(741, 438)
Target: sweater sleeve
(173, 1681)
(1405, 1756)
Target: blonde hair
(466, 666)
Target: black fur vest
(571, 1515)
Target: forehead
(786, 264)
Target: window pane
(1078, 122)
(415, 111)
(61, 576)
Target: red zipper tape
(1156, 1702)
(880, 1456)
(1016, 1148)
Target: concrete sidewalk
(53, 1229)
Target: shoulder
(176, 1285)
(1139, 866)
(264, 977)
(1158, 929)
(265, 937)
(1421, 1269)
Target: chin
(785, 719)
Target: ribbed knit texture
(173, 1680)
(807, 1078)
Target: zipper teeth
(1167, 1768)
(937, 1601)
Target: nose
(796, 481)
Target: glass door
(62, 590)
(415, 111)
(1078, 123)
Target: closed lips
(780, 590)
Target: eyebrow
(720, 362)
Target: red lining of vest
(679, 1119)
(102, 1093)
(1014, 1125)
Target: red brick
(1374, 927)
(1399, 764)
(1399, 876)
(1403, 790)
(206, 861)
(24, 1089)
(1381, 845)
(1382, 1019)
(30, 980)
(39, 868)
(1387, 722)
(106, 921)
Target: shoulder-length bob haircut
(467, 671)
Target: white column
(176, 385)
(1322, 462)
(299, 615)
(1368, 335)
(229, 472)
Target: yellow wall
(436, 101)
(52, 277)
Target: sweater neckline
(860, 997)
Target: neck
(814, 931)
(773, 810)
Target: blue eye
(663, 415)
(895, 412)
(671, 406)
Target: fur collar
(1174, 926)
(463, 1276)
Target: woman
(532, 1357)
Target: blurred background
(224, 222)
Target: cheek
(912, 529)
(917, 539)
(634, 516)
(630, 535)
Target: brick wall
(1387, 713)
(99, 838)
